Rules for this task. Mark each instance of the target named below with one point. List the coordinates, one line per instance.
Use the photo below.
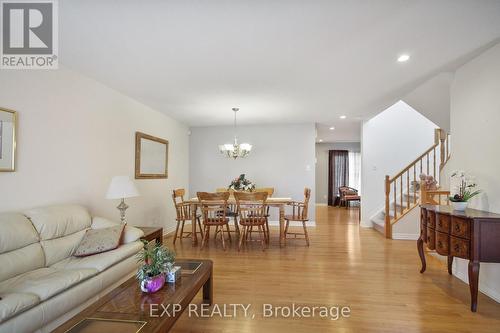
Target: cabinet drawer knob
(457, 247)
(440, 244)
(457, 227)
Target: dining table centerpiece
(156, 262)
(466, 189)
(242, 184)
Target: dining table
(279, 203)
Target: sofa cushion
(16, 231)
(100, 261)
(22, 260)
(99, 240)
(46, 282)
(15, 303)
(58, 221)
(61, 248)
(130, 234)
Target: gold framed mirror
(151, 157)
(8, 126)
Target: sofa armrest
(130, 233)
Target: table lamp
(122, 187)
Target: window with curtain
(355, 170)
(338, 169)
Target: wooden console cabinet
(471, 234)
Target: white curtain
(355, 170)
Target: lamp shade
(121, 187)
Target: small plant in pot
(465, 190)
(156, 261)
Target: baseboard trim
(493, 294)
(170, 231)
(366, 225)
(402, 236)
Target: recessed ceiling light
(403, 58)
(320, 140)
(332, 128)
(343, 117)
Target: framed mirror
(8, 125)
(151, 157)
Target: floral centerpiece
(156, 261)
(242, 184)
(464, 191)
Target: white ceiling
(279, 61)
(348, 130)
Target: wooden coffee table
(152, 233)
(128, 309)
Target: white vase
(461, 206)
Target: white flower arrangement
(465, 188)
(242, 184)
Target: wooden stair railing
(429, 196)
(399, 188)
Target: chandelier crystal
(235, 149)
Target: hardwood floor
(345, 265)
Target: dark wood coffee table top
(152, 233)
(128, 303)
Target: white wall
(432, 99)
(475, 115)
(282, 157)
(322, 150)
(74, 135)
(389, 142)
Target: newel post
(437, 131)
(388, 226)
(442, 148)
(423, 193)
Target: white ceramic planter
(461, 206)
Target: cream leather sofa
(41, 283)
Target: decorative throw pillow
(99, 240)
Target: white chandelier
(235, 150)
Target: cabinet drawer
(443, 223)
(460, 227)
(431, 238)
(431, 219)
(459, 247)
(442, 243)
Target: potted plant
(464, 191)
(156, 261)
(242, 184)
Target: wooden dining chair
(183, 214)
(299, 214)
(252, 210)
(270, 192)
(214, 209)
(231, 211)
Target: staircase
(402, 194)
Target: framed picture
(8, 125)
(151, 157)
